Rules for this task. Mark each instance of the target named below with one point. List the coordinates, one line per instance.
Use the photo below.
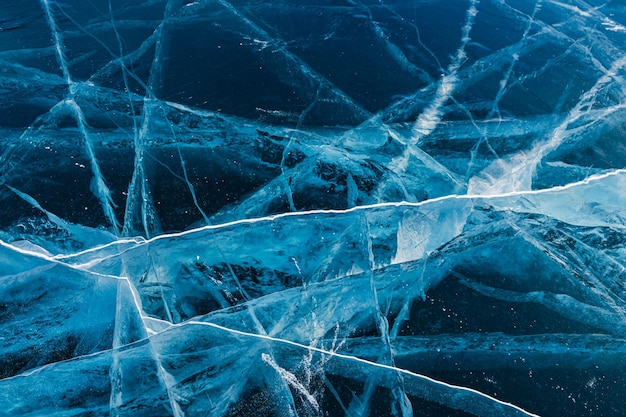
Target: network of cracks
(312, 208)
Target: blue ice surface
(298, 208)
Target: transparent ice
(298, 208)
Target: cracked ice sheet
(366, 208)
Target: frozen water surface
(313, 208)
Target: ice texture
(313, 208)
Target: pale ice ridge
(592, 192)
(100, 187)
